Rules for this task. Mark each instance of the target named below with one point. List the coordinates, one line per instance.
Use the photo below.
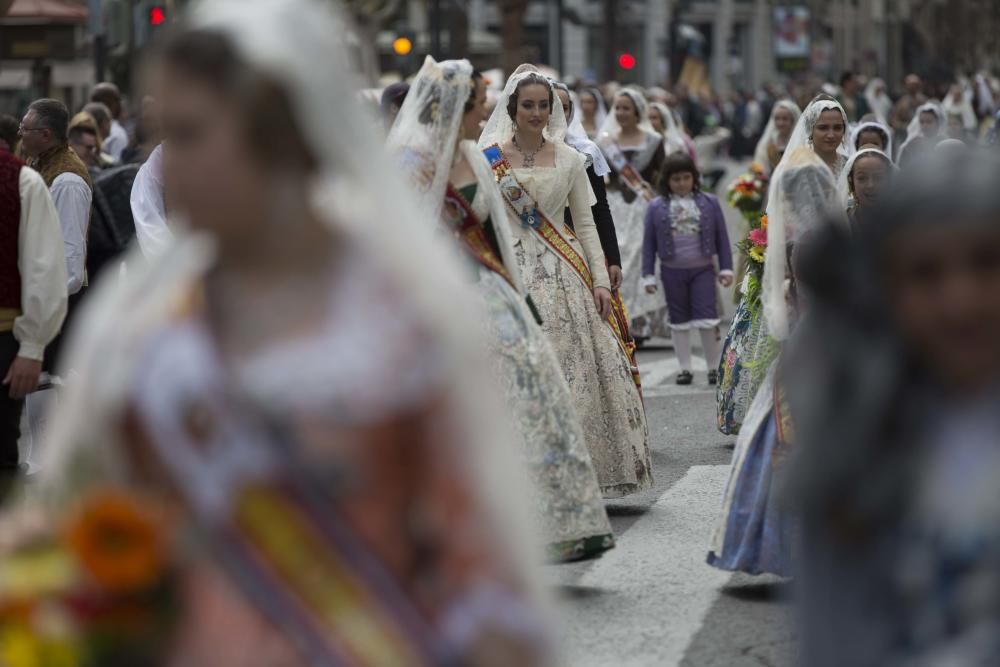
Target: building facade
(735, 39)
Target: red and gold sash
(457, 214)
(527, 210)
(628, 174)
(273, 524)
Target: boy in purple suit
(685, 228)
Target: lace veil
(871, 125)
(577, 137)
(673, 138)
(760, 153)
(611, 129)
(601, 114)
(425, 138)
(843, 185)
(913, 131)
(802, 193)
(500, 126)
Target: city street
(652, 600)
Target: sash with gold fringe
(524, 206)
(457, 214)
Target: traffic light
(157, 15)
(626, 61)
(402, 45)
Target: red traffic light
(626, 61)
(157, 15)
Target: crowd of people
(356, 380)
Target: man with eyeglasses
(33, 292)
(44, 141)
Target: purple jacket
(658, 239)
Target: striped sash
(274, 526)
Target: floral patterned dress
(598, 371)
(567, 499)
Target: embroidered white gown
(607, 401)
(647, 312)
(567, 498)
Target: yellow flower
(757, 254)
(36, 572)
(20, 647)
(119, 541)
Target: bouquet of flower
(96, 589)
(747, 192)
(754, 246)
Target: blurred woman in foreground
(895, 389)
(287, 382)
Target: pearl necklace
(528, 159)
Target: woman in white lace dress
(635, 152)
(565, 274)
(455, 183)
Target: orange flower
(763, 222)
(119, 541)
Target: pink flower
(758, 237)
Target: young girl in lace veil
(287, 381)
(456, 185)
(565, 273)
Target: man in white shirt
(116, 140)
(43, 139)
(33, 295)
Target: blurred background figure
(44, 140)
(8, 133)
(635, 153)
(392, 101)
(960, 117)
(593, 110)
(771, 146)
(85, 140)
(927, 127)
(32, 292)
(906, 106)
(878, 100)
(854, 103)
(116, 138)
(896, 405)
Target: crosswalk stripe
(649, 596)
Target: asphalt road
(652, 600)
